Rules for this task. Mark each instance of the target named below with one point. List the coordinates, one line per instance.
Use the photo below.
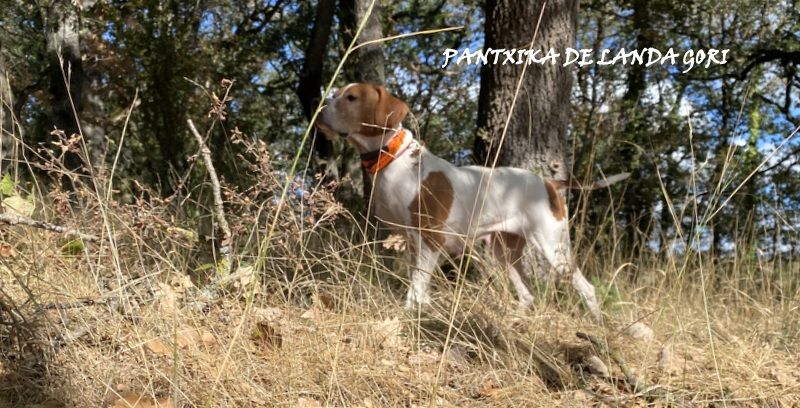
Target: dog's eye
(351, 98)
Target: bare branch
(225, 246)
(12, 219)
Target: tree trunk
(311, 75)
(369, 60)
(637, 201)
(69, 86)
(6, 115)
(538, 125)
(65, 71)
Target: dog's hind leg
(508, 250)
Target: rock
(596, 366)
(639, 331)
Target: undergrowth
(311, 312)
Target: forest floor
(80, 331)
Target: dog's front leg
(426, 260)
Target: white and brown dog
(440, 207)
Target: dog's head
(361, 109)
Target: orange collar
(377, 160)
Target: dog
(443, 208)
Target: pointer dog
(440, 207)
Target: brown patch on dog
(431, 207)
(557, 204)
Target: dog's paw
(415, 300)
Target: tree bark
(65, 71)
(536, 134)
(311, 75)
(6, 115)
(370, 61)
(369, 65)
(637, 201)
(69, 85)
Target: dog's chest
(394, 189)
(403, 185)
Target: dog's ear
(389, 111)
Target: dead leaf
(157, 346)
(639, 331)
(132, 400)
(268, 314)
(579, 396)
(207, 338)
(242, 280)
(181, 283)
(488, 389)
(7, 251)
(304, 402)
(425, 357)
(582, 358)
(326, 300)
(245, 278)
(50, 403)
(18, 206)
(387, 333)
(183, 339)
(457, 356)
(667, 361)
(395, 242)
(167, 300)
(312, 313)
(188, 337)
(783, 376)
(183, 233)
(266, 336)
(123, 389)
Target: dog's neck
(378, 152)
(376, 160)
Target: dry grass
(321, 323)
(312, 316)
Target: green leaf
(223, 267)
(204, 267)
(74, 247)
(184, 233)
(7, 186)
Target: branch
(71, 336)
(72, 305)
(12, 219)
(573, 184)
(225, 245)
(764, 56)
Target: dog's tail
(573, 184)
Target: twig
(70, 336)
(640, 388)
(225, 245)
(72, 305)
(12, 219)
(637, 385)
